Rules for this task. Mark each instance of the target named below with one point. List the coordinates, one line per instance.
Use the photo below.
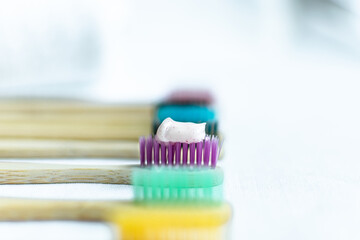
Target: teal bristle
(186, 113)
(177, 185)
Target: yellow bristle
(160, 223)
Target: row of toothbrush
(177, 185)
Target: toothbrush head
(184, 96)
(177, 185)
(141, 222)
(201, 154)
(185, 113)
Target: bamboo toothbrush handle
(78, 132)
(26, 209)
(88, 118)
(34, 148)
(68, 106)
(39, 173)
(60, 119)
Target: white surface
(288, 106)
(55, 230)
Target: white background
(286, 80)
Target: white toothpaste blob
(184, 132)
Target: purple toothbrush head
(200, 154)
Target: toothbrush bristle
(201, 97)
(169, 184)
(205, 153)
(180, 222)
(185, 113)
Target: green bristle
(177, 184)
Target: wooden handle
(39, 173)
(78, 132)
(68, 106)
(42, 119)
(20, 148)
(113, 118)
(35, 210)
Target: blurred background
(285, 74)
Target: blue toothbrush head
(186, 113)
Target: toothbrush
(64, 105)
(40, 173)
(69, 119)
(132, 221)
(99, 126)
(203, 153)
(160, 187)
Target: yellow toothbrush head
(141, 222)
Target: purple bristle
(163, 154)
(207, 151)
(149, 146)
(156, 152)
(177, 153)
(214, 151)
(142, 150)
(185, 153)
(170, 154)
(192, 154)
(204, 153)
(199, 148)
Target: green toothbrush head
(177, 185)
